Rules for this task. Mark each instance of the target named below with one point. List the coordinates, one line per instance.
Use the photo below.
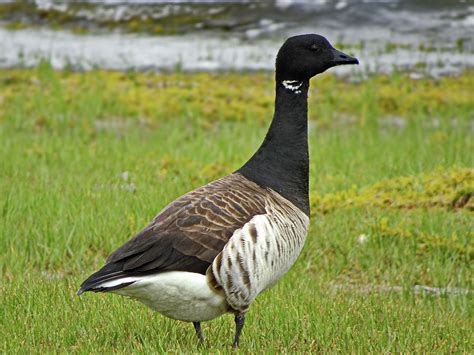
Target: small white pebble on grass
(362, 239)
(124, 175)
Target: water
(423, 37)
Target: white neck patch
(293, 85)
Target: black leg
(239, 324)
(199, 333)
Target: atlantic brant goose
(214, 249)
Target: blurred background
(434, 37)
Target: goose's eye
(315, 48)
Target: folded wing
(187, 235)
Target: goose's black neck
(282, 161)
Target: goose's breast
(260, 253)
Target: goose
(213, 250)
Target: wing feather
(188, 234)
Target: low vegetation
(87, 159)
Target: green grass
(391, 162)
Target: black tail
(109, 272)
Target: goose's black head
(304, 56)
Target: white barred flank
(260, 252)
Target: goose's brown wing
(188, 234)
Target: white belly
(179, 295)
